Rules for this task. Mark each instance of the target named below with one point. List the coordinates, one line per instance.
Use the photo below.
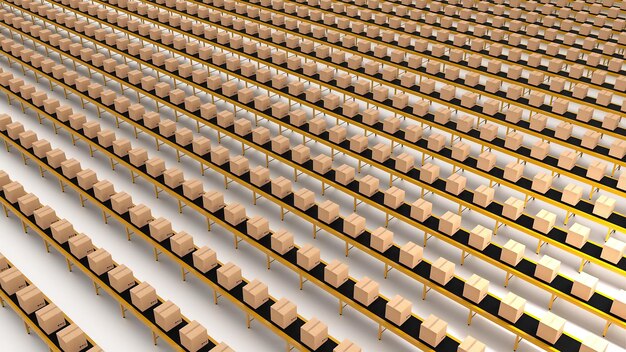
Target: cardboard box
(258, 227)
(344, 174)
(259, 176)
(604, 206)
(234, 213)
(55, 157)
(255, 294)
(488, 131)
(347, 346)
(366, 291)
(182, 243)
(442, 271)
(239, 165)
(322, 164)
(308, 257)
(328, 211)
(368, 185)
(219, 155)
(613, 250)
(300, 154)
(394, 197)
(106, 138)
(512, 208)
(4, 264)
(283, 313)
(121, 202)
(577, 235)
(411, 254)
(260, 135)
(62, 230)
(41, 148)
(455, 184)
(28, 204)
(173, 177)
(541, 182)
(50, 318)
(30, 299)
(194, 336)
(160, 229)
(596, 170)
(486, 161)
(13, 191)
(86, 179)
(121, 278)
(304, 199)
(381, 239)
(381, 152)
(512, 307)
(72, 339)
(513, 171)
(193, 189)
(512, 252)
(280, 144)
(100, 261)
(470, 344)
(222, 347)
(429, 173)
(584, 286)
(460, 151)
(567, 159)
(544, 221)
(449, 223)
(121, 147)
(336, 273)
(282, 241)
(550, 327)
(45, 216)
(572, 194)
(201, 145)
(619, 304)
(204, 259)
(140, 215)
(480, 237)
(540, 150)
(167, 315)
(353, 225)
(138, 156)
(475, 288)
(398, 310)
(314, 333)
(229, 276)
(593, 343)
(103, 190)
(281, 187)
(433, 330)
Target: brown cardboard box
(544, 221)
(460, 151)
(488, 131)
(567, 159)
(167, 315)
(344, 174)
(512, 252)
(204, 259)
(45, 216)
(391, 124)
(173, 177)
(106, 138)
(480, 237)
(368, 185)
(619, 304)
(13, 191)
(304, 199)
(213, 201)
(550, 327)
(50, 318)
(577, 235)
(30, 299)
(239, 165)
(442, 271)
(381, 240)
(160, 229)
(347, 346)
(300, 154)
(486, 161)
(222, 347)
(308, 257)
(62, 230)
(86, 179)
(337, 134)
(604, 206)
(411, 254)
(470, 344)
(220, 155)
(540, 150)
(513, 171)
(433, 330)
(512, 307)
(455, 184)
(72, 339)
(281, 187)
(259, 175)
(593, 343)
(121, 147)
(584, 286)
(541, 182)
(449, 223)
(398, 310)
(4, 264)
(229, 276)
(512, 208)
(421, 209)
(121, 202)
(193, 336)
(41, 147)
(12, 280)
(328, 211)
(596, 170)
(55, 157)
(28, 204)
(282, 241)
(258, 227)
(100, 261)
(283, 313)
(260, 135)
(429, 173)
(613, 250)
(280, 144)
(381, 152)
(475, 288)
(182, 243)
(322, 164)
(138, 156)
(255, 294)
(103, 190)
(336, 273)
(366, 291)
(27, 138)
(243, 127)
(140, 215)
(394, 197)
(121, 278)
(193, 189)
(314, 333)
(358, 143)
(234, 213)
